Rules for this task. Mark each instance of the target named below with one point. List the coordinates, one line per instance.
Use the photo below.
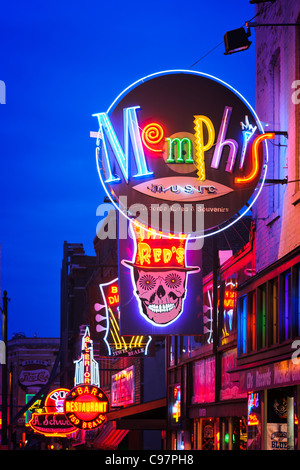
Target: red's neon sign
(160, 272)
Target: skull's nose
(161, 291)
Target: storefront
(268, 354)
(207, 410)
(218, 424)
(273, 405)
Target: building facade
(30, 365)
(131, 369)
(268, 302)
(206, 409)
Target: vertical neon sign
(86, 368)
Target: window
(295, 101)
(273, 330)
(270, 314)
(242, 327)
(172, 350)
(228, 296)
(251, 321)
(296, 300)
(285, 305)
(204, 381)
(275, 164)
(262, 316)
(185, 345)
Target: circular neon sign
(186, 141)
(86, 407)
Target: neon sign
(159, 282)
(253, 409)
(122, 387)
(117, 344)
(54, 402)
(86, 368)
(230, 299)
(159, 275)
(190, 124)
(51, 420)
(176, 407)
(152, 135)
(51, 424)
(86, 407)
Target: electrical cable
(222, 42)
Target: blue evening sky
(61, 62)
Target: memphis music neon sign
(212, 154)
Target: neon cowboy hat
(154, 252)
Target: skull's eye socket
(147, 282)
(173, 281)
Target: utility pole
(4, 439)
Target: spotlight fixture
(261, 1)
(236, 41)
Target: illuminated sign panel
(182, 137)
(51, 420)
(159, 284)
(122, 387)
(54, 402)
(51, 424)
(86, 407)
(87, 368)
(176, 403)
(253, 409)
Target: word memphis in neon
(179, 150)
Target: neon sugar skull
(161, 294)
(159, 275)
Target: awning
(109, 437)
(151, 406)
(236, 407)
(143, 416)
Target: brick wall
(277, 210)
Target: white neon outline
(264, 166)
(233, 145)
(131, 127)
(247, 131)
(79, 364)
(107, 317)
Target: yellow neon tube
(200, 148)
